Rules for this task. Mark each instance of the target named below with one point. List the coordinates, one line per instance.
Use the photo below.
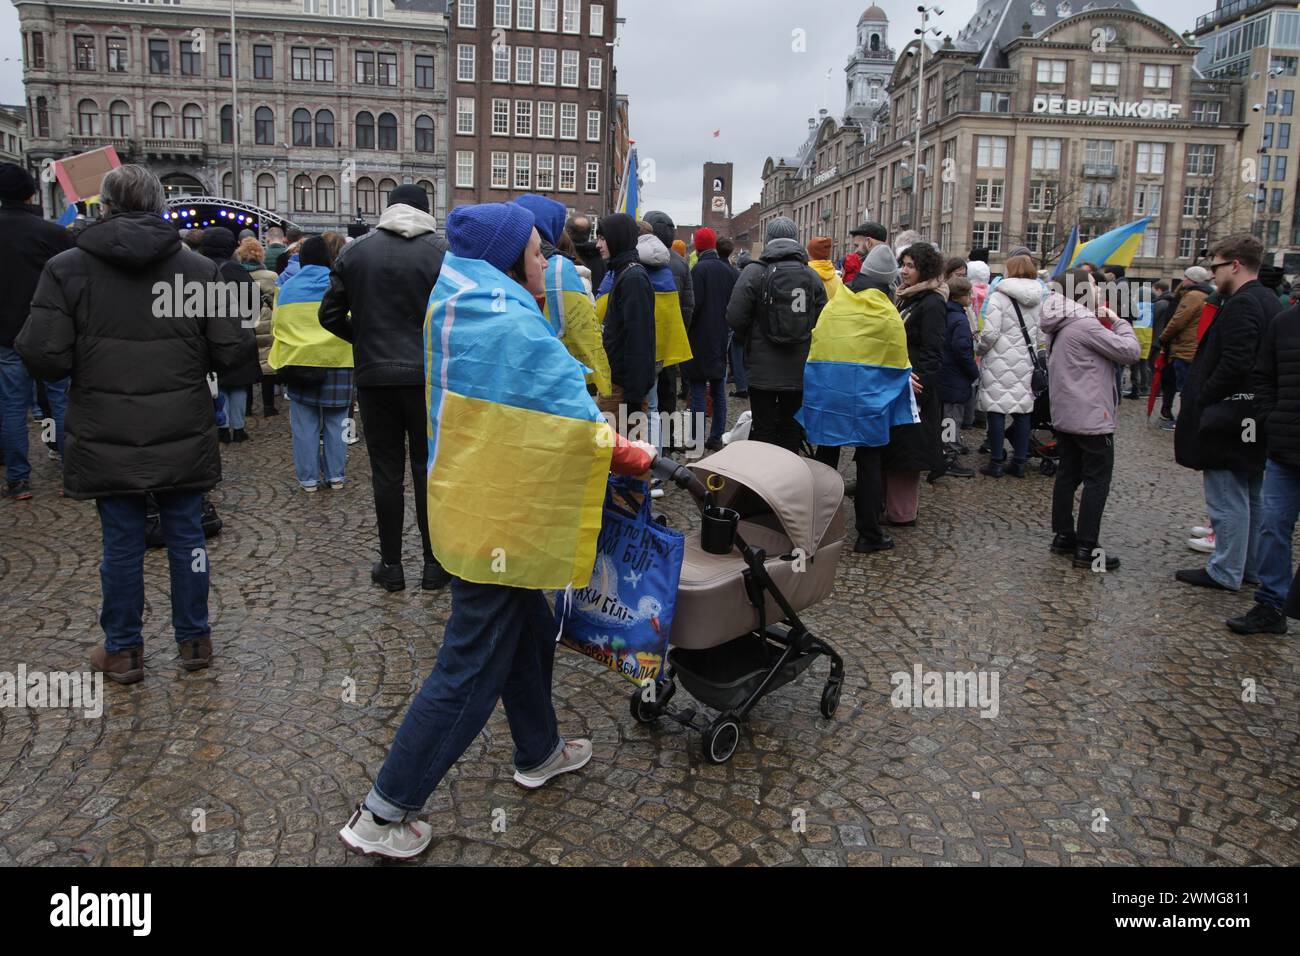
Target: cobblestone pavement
(1121, 700)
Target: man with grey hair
(773, 308)
(140, 416)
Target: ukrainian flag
(857, 384)
(1114, 248)
(518, 452)
(672, 346)
(629, 194)
(299, 338)
(570, 311)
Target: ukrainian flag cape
(857, 384)
(830, 278)
(573, 316)
(518, 452)
(299, 338)
(672, 347)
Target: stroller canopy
(803, 494)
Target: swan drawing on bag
(599, 601)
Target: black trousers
(394, 417)
(268, 391)
(774, 418)
(869, 496)
(1088, 460)
(1168, 389)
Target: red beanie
(705, 239)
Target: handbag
(1038, 380)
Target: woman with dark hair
(956, 266)
(916, 448)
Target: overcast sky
(690, 67)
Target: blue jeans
(652, 412)
(1232, 499)
(699, 403)
(122, 573)
(1280, 505)
(499, 644)
(16, 390)
(737, 352)
(318, 445)
(1020, 422)
(1181, 368)
(236, 400)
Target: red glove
(631, 457)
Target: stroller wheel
(830, 698)
(1047, 468)
(720, 740)
(645, 711)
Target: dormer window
(1038, 8)
(1063, 8)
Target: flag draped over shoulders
(573, 316)
(518, 452)
(672, 345)
(857, 383)
(298, 336)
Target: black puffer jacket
(139, 411)
(27, 242)
(920, 447)
(1277, 388)
(384, 280)
(629, 331)
(218, 244)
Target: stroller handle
(680, 475)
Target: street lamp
(922, 32)
(236, 173)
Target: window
(1287, 64)
(1042, 195)
(119, 119)
(1205, 112)
(991, 151)
(1288, 102)
(1038, 237)
(88, 118)
(523, 117)
(365, 67)
(572, 16)
(597, 27)
(300, 60)
(325, 194)
(501, 13)
(465, 115)
(191, 121)
(1105, 74)
(228, 186)
(387, 68)
(1186, 243)
(1051, 71)
(365, 196)
(1267, 142)
(160, 57)
(523, 171)
(324, 63)
(987, 235)
(227, 124)
(1150, 243)
(301, 127)
(1279, 168)
(324, 128)
(424, 71)
(38, 51)
(945, 197)
(569, 68)
(464, 169)
(191, 59)
(550, 17)
(995, 102)
(387, 131)
(593, 177)
(526, 15)
(500, 170)
(595, 70)
(466, 15)
(1265, 165)
(266, 191)
(500, 117)
(523, 64)
(465, 62)
(546, 67)
(1198, 202)
(1157, 77)
(264, 126)
(423, 134)
(263, 62)
(1045, 153)
(1201, 160)
(118, 58)
(386, 186)
(568, 174)
(593, 126)
(84, 52)
(546, 120)
(1096, 195)
(569, 121)
(161, 115)
(1099, 152)
(365, 130)
(545, 173)
(988, 193)
(501, 64)
(302, 194)
(1151, 158)
(42, 117)
(1146, 199)
(1275, 201)
(223, 61)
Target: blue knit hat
(548, 214)
(495, 232)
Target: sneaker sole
(364, 848)
(197, 665)
(1248, 632)
(390, 587)
(532, 783)
(127, 677)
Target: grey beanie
(880, 265)
(782, 227)
(1020, 251)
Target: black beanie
(16, 183)
(410, 195)
(314, 252)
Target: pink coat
(1081, 367)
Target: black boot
(1016, 469)
(224, 436)
(1084, 559)
(866, 545)
(435, 576)
(1260, 619)
(993, 469)
(1064, 544)
(239, 435)
(388, 576)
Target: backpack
(786, 303)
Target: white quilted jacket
(1007, 368)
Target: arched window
(424, 134)
(302, 194)
(266, 197)
(191, 122)
(228, 186)
(264, 126)
(386, 186)
(324, 128)
(301, 128)
(325, 194)
(428, 192)
(119, 119)
(365, 130)
(42, 115)
(88, 118)
(387, 131)
(365, 196)
(161, 115)
(227, 124)
(875, 43)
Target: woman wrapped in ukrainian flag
(518, 461)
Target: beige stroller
(771, 533)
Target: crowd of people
(439, 338)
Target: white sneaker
(398, 841)
(1204, 545)
(336, 485)
(309, 488)
(1200, 531)
(573, 756)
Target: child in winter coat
(959, 370)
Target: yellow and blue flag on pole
(299, 338)
(1114, 248)
(629, 194)
(857, 384)
(672, 345)
(573, 316)
(518, 452)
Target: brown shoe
(122, 667)
(196, 654)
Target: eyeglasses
(1216, 266)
